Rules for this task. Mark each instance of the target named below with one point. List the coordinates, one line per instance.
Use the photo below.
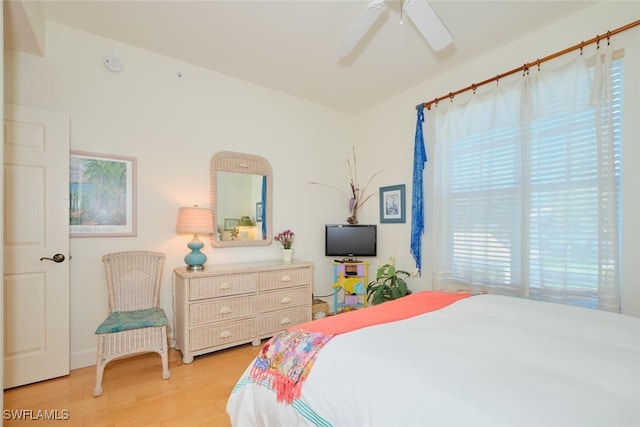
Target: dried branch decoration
(358, 195)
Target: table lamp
(197, 221)
(244, 225)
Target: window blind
(520, 198)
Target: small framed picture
(230, 223)
(392, 204)
(259, 211)
(102, 195)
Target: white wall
(173, 126)
(390, 126)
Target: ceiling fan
(419, 12)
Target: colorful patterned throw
(285, 361)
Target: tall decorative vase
(353, 210)
(287, 255)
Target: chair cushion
(119, 321)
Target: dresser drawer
(282, 300)
(222, 309)
(226, 333)
(219, 286)
(284, 278)
(269, 324)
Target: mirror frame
(229, 161)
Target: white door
(36, 226)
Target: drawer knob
(225, 334)
(285, 278)
(285, 300)
(285, 320)
(225, 286)
(225, 310)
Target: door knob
(56, 258)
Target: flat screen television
(350, 240)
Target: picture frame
(392, 204)
(102, 195)
(230, 223)
(259, 211)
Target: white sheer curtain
(526, 186)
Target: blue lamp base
(195, 259)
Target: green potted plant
(389, 284)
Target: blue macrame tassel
(417, 198)
(264, 208)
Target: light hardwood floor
(134, 393)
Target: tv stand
(347, 260)
(353, 278)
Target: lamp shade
(245, 221)
(195, 220)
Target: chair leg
(165, 355)
(100, 364)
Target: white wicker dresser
(231, 304)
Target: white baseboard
(82, 359)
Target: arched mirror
(241, 199)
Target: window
(527, 181)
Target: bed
(484, 360)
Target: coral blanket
(390, 311)
(287, 358)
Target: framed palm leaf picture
(102, 195)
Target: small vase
(287, 255)
(353, 218)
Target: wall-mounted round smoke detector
(112, 63)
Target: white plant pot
(287, 255)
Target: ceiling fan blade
(359, 28)
(428, 23)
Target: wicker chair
(136, 323)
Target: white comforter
(483, 361)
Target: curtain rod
(528, 65)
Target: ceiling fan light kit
(419, 12)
